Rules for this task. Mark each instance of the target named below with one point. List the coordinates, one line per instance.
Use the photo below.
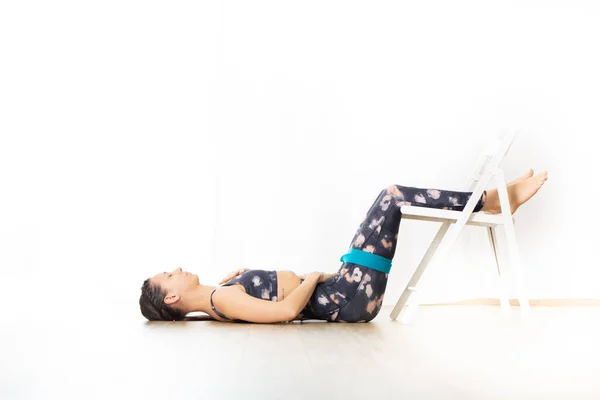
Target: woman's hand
(322, 276)
(313, 274)
(232, 275)
(326, 277)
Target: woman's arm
(236, 304)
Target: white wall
(141, 136)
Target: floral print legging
(356, 293)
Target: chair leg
(411, 287)
(504, 302)
(513, 250)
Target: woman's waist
(268, 285)
(287, 282)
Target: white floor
(447, 353)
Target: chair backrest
(493, 153)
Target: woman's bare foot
(519, 192)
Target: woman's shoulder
(234, 304)
(221, 296)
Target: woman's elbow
(289, 313)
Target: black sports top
(257, 283)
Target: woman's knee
(396, 191)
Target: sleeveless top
(257, 283)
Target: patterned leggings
(356, 293)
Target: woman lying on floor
(353, 294)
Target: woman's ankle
(491, 205)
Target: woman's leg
(361, 288)
(378, 232)
(356, 293)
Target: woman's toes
(542, 176)
(527, 175)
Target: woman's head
(161, 298)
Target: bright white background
(136, 137)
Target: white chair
(486, 169)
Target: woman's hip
(354, 295)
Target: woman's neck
(198, 299)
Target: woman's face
(175, 282)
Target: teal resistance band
(369, 260)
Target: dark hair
(153, 306)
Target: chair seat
(437, 215)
